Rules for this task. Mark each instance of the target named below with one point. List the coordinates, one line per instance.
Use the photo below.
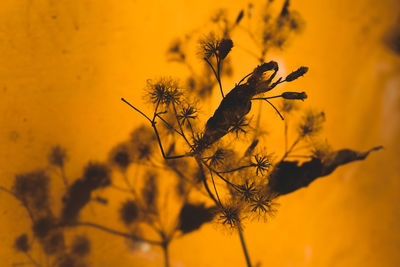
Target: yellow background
(65, 64)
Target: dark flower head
(261, 204)
(211, 46)
(129, 211)
(187, 113)
(262, 163)
(200, 143)
(97, 174)
(57, 156)
(120, 156)
(217, 158)
(21, 243)
(80, 246)
(164, 91)
(230, 215)
(247, 190)
(239, 125)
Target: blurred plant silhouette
(217, 175)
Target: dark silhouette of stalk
(166, 255)
(115, 232)
(244, 247)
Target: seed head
(164, 91)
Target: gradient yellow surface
(66, 64)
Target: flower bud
(296, 74)
(224, 48)
(294, 95)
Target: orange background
(66, 64)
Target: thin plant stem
(116, 232)
(199, 162)
(244, 247)
(286, 135)
(237, 169)
(219, 75)
(215, 188)
(216, 76)
(291, 148)
(32, 260)
(144, 115)
(166, 254)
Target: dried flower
(262, 164)
(219, 48)
(296, 74)
(187, 113)
(239, 125)
(247, 190)
(217, 158)
(230, 215)
(164, 91)
(261, 204)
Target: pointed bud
(296, 74)
(239, 17)
(294, 95)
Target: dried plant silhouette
(220, 169)
(243, 183)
